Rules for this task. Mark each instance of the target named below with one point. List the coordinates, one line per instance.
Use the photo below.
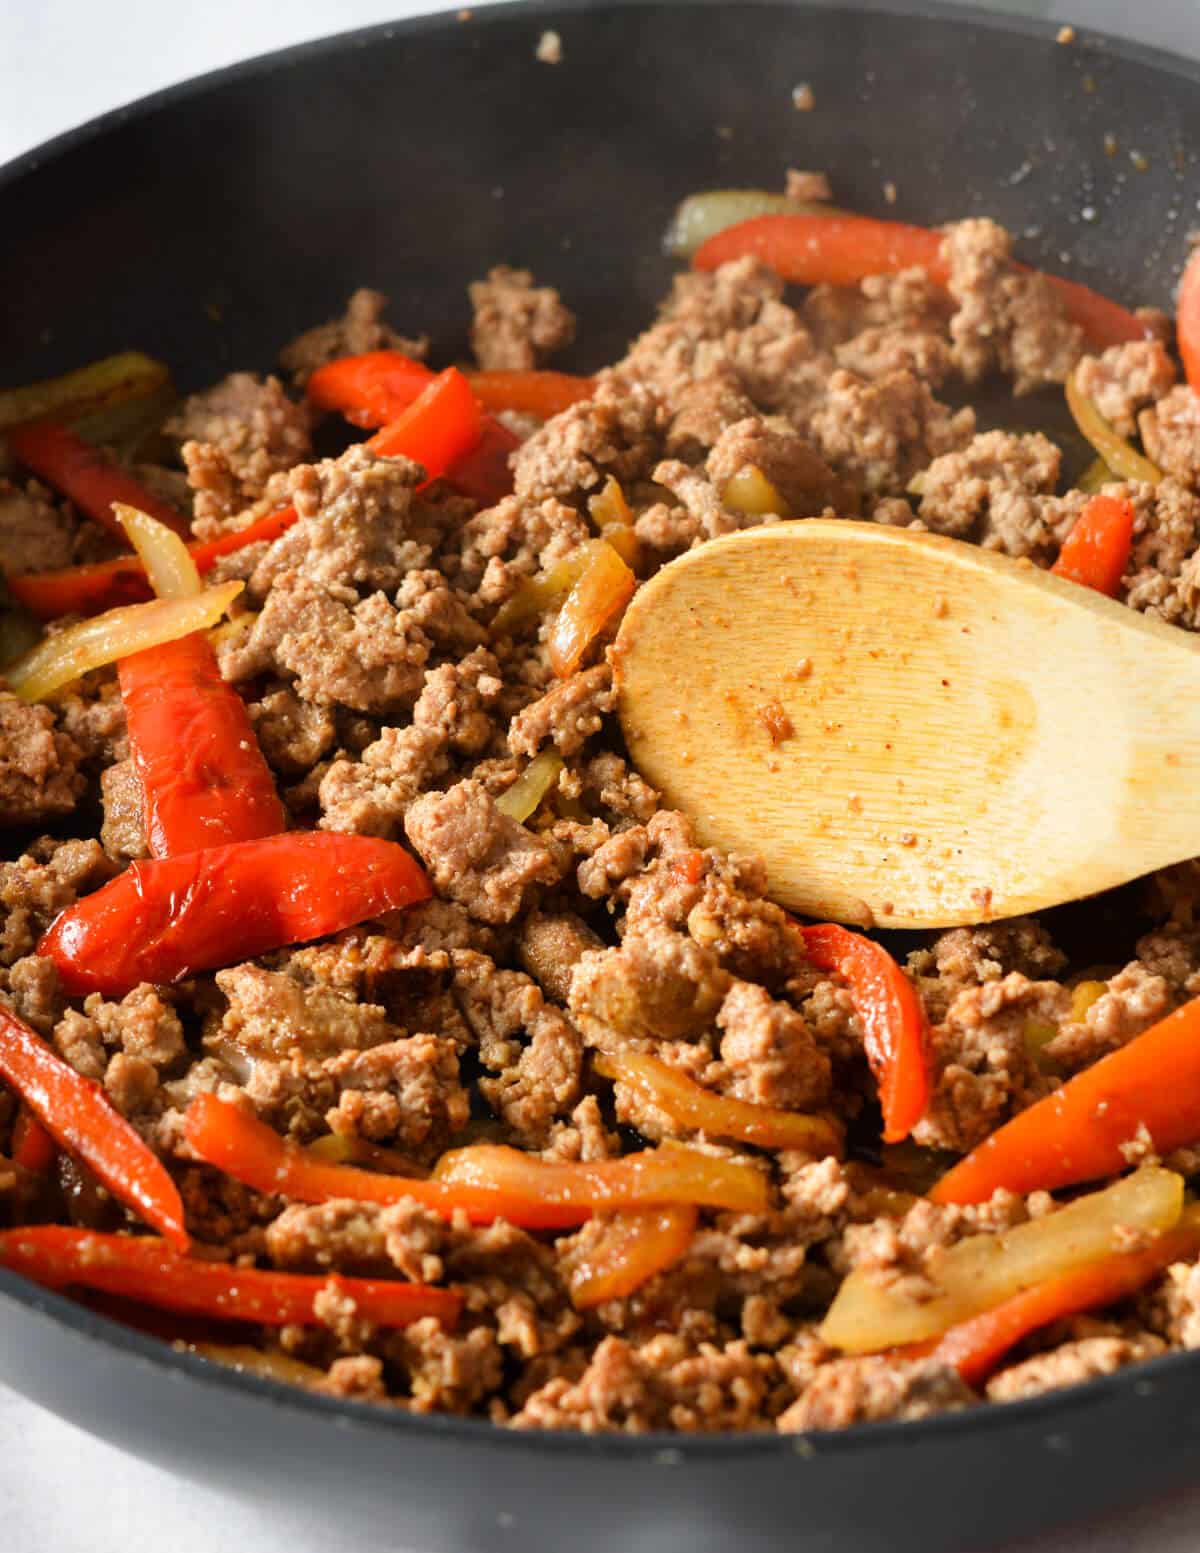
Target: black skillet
(211, 222)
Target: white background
(63, 61)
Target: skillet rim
(1052, 1408)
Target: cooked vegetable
(204, 780)
(603, 588)
(147, 1269)
(78, 1115)
(1187, 320)
(892, 1019)
(441, 425)
(612, 516)
(1078, 1133)
(133, 427)
(543, 394)
(539, 776)
(1096, 551)
(976, 1346)
(840, 250)
(536, 595)
(1095, 477)
(85, 590)
(486, 1182)
(750, 492)
(690, 1105)
(257, 1361)
(173, 916)
(1123, 459)
(376, 388)
(634, 1244)
(32, 1146)
(870, 1313)
(86, 475)
(567, 1193)
(701, 216)
(128, 375)
(59, 659)
(19, 631)
(170, 569)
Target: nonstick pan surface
(212, 222)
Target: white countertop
(107, 1502)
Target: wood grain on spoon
(912, 731)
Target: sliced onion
(981, 1272)
(106, 638)
(1095, 477)
(1123, 459)
(703, 215)
(691, 1105)
(129, 375)
(753, 495)
(257, 1361)
(523, 797)
(633, 1245)
(167, 560)
(603, 588)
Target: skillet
(212, 221)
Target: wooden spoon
(912, 731)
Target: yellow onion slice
(981, 1272)
(61, 658)
(167, 560)
(523, 797)
(1121, 457)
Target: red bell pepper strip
(374, 388)
(88, 590)
(843, 250)
(484, 1183)
(147, 1269)
(1187, 320)
(1077, 1133)
(204, 780)
(427, 430)
(78, 1115)
(893, 1021)
(1096, 551)
(975, 1347)
(32, 1146)
(86, 475)
(544, 394)
(168, 918)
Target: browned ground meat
(387, 703)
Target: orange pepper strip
(603, 589)
(843, 250)
(374, 388)
(485, 1183)
(633, 1245)
(79, 1116)
(1096, 551)
(544, 394)
(204, 780)
(892, 1017)
(86, 475)
(32, 1146)
(670, 1174)
(691, 1105)
(975, 1347)
(1077, 1133)
(1187, 320)
(427, 429)
(170, 917)
(148, 1270)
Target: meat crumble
(398, 691)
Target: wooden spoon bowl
(914, 732)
